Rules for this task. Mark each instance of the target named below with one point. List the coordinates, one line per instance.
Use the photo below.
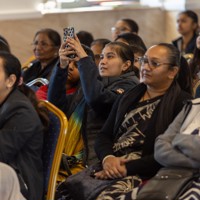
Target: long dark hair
(183, 78)
(181, 82)
(42, 111)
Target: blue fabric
(50, 142)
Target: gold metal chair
(54, 142)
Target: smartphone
(69, 32)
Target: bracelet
(106, 158)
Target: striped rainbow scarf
(74, 142)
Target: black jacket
(36, 71)
(190, 47)
(99, 95)
(146, 166)
(21, 140)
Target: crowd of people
(126, 106)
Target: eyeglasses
(152, 64)
(41, 44)
(121, 30)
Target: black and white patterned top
(131, 139)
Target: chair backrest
(36, 83)
(54, 141)
(41, 81)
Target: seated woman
(89, 106)
(46, 43)
(125, 144)
(72, 83)
(21, 130)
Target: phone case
(69, 32)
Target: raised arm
(57, 88)
(57, 84)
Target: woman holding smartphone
(88, 108)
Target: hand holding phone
(69, 32)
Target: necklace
(148, 95)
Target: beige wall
(155, 25)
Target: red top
(41, 93)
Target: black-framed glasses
(151, 63)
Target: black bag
(82, 186)
(168, 183)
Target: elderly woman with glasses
(125, 144)
(45, 44)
